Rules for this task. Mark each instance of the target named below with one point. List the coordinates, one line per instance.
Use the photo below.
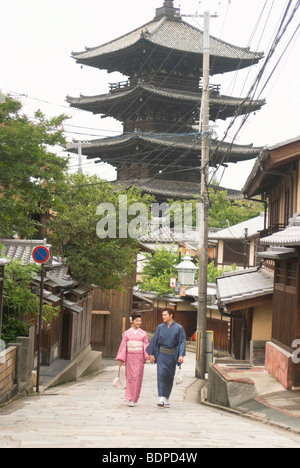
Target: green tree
(214, 272)
(109, 262)
(163, 259)
(222, 210)
(158, 271)
(30, 174)
(20, 302)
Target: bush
(12, 328)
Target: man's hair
(169, 310)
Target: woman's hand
(152, 359)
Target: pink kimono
(133, 352)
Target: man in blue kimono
(167, 349)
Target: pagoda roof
(189, 145)
(180, 190)
(166, 34)
(113, 104)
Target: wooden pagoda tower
(159, 101)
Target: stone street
(90, 413)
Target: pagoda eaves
(123, 103)
(166, 36)
(170, 189)
(160, 100)
(137, 145)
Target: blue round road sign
(41, 254)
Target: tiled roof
(278, 253)
(180, 142)
(288, 237)
(103, 103)
(22, 249)
(171, 34)
(237, 231)
(262, 174)
(160, 232)
(244, 285)
(175, 188)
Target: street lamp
(186, 271)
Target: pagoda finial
(167, 10)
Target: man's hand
(180, 359)
(152, 359)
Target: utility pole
(38, 369)
(246, 249)
(79, 157)
(204, 208)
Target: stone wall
(228, 390)
(16, 364)
(8, 363)
(279, 364)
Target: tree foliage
(214, 272)
(20, 302)
(222, 211)
(30, 174)
(158, 271)
(108, 263)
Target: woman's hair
(135, 315)
(169, 310)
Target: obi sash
(167, 350)
(135, 346)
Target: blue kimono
(167, 344)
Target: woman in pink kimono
(132, 351)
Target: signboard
(41, 254)
(173, 282)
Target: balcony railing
(115, 87)
(272, 230)
(119, 85)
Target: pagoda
(159, 102)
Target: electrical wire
(98, 135)
(279, 34)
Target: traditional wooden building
(276, 176)
(67, 336)
(151, 305)
(159, 103)
(239, 244)
(110, 318)
(245, 298)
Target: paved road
(91, 413)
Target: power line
(253, 89)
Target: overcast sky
(38, 36)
